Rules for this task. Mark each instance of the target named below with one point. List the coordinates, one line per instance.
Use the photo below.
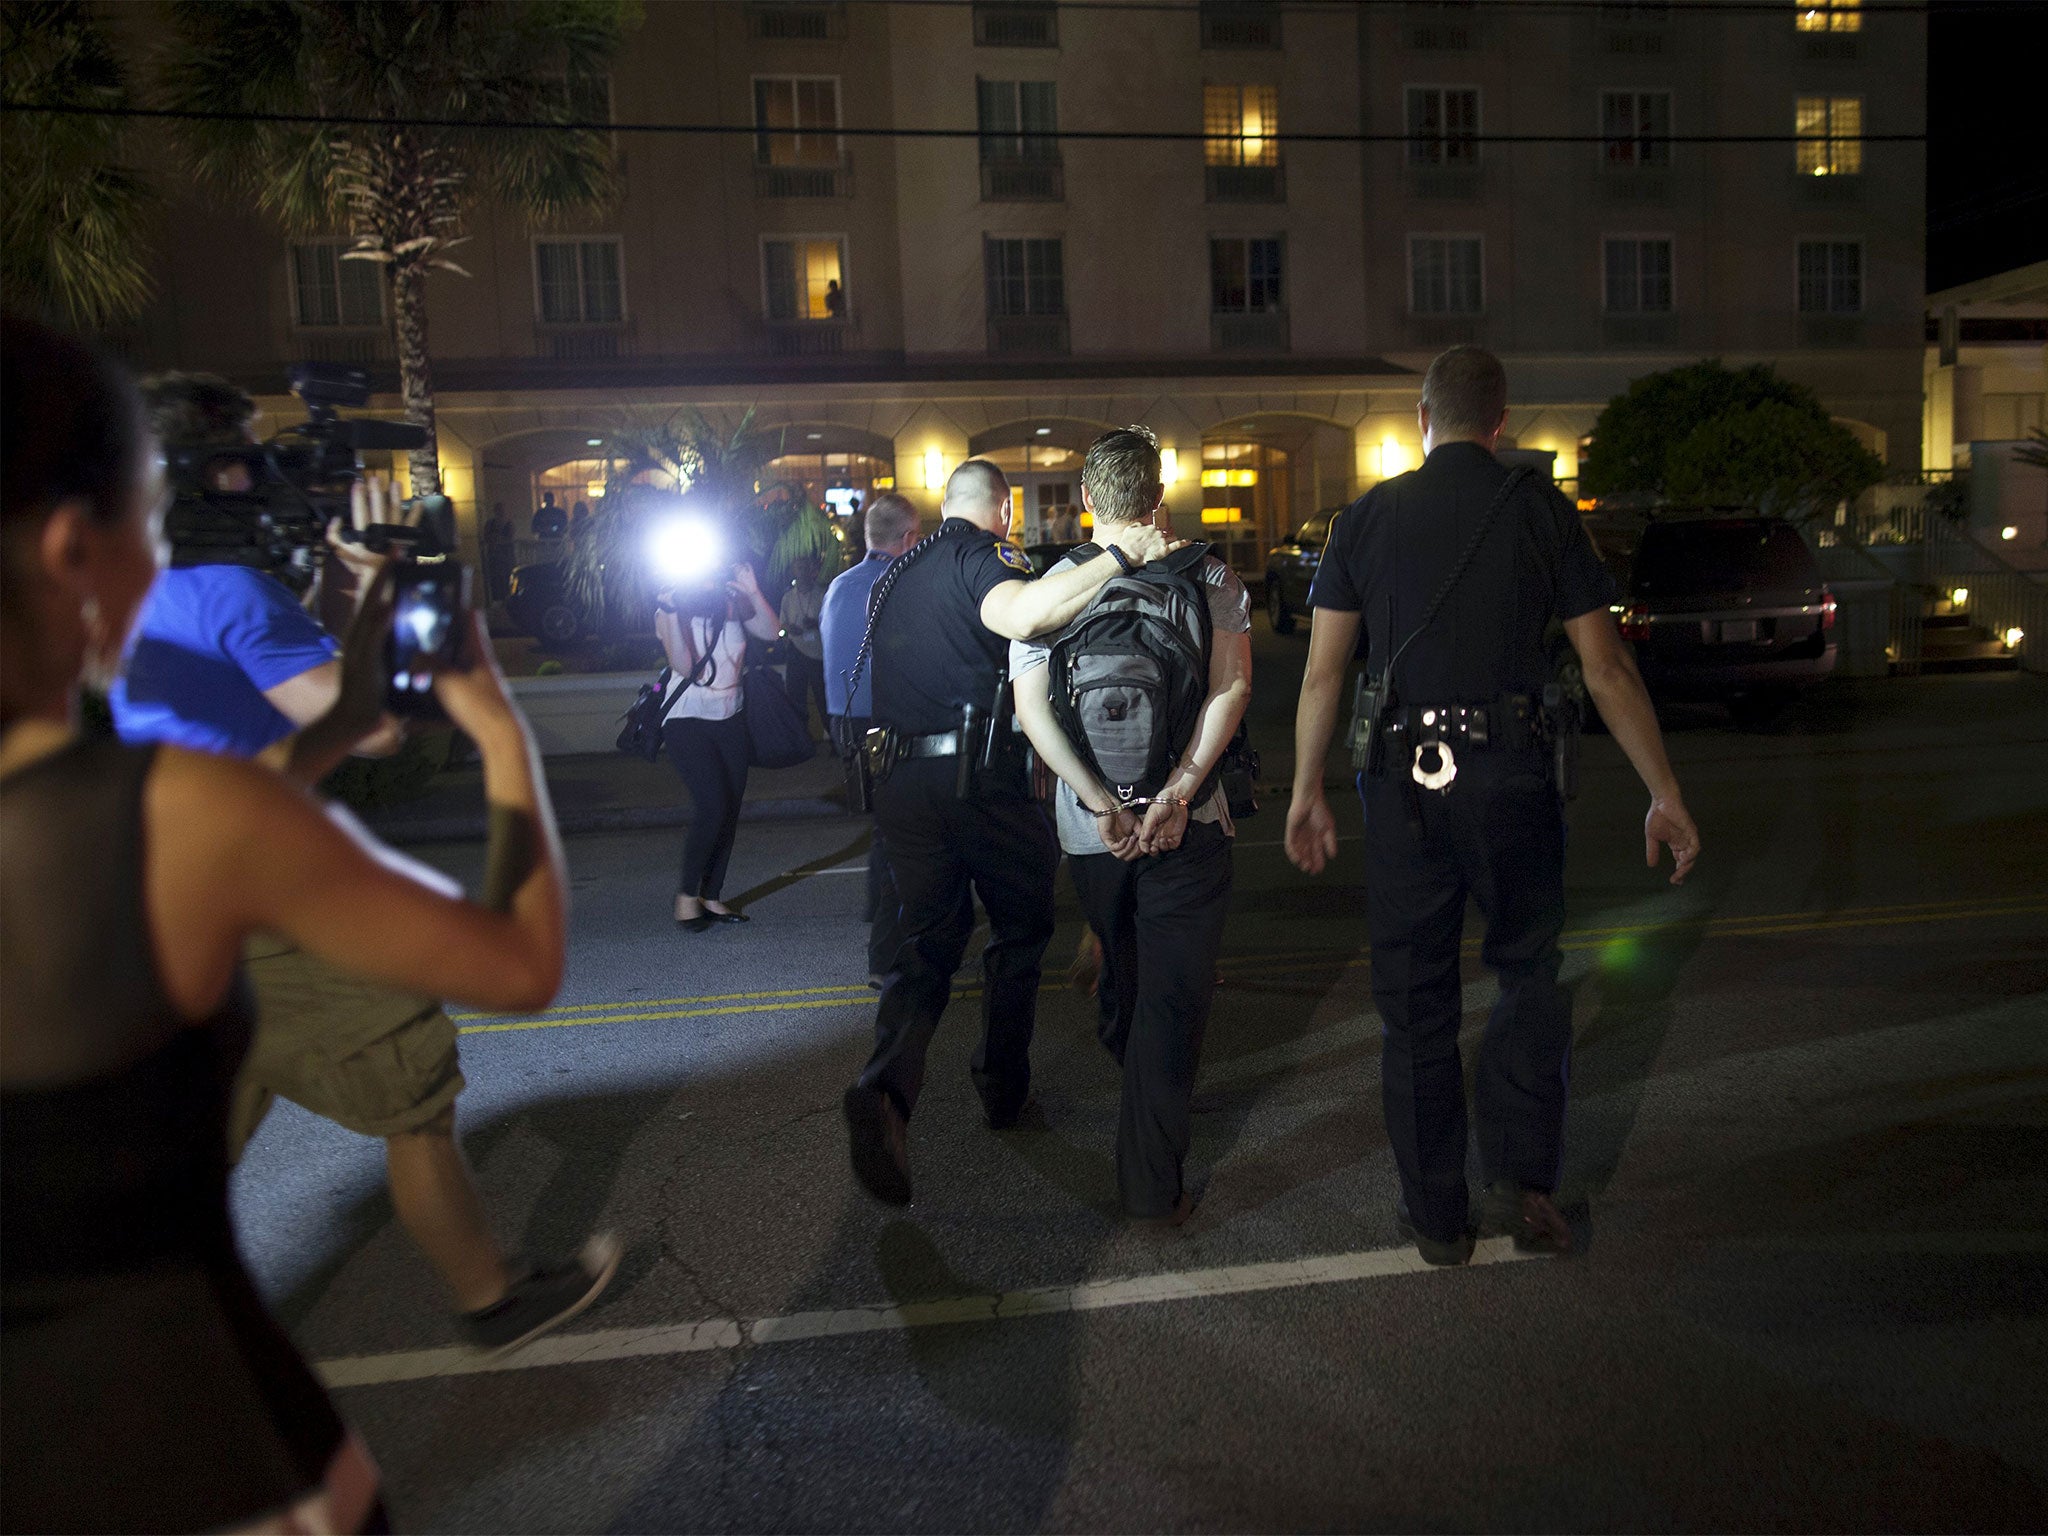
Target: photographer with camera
(143, 1384)
(703, 616)
(225, 660)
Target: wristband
(514, 852)
(1122, 559)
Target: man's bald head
(980, 493)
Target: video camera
(268, 504)
(689, 557)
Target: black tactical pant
(938, 845)
(1497, 836)
(1161, 925)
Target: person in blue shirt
(891, 526)
(224, 659)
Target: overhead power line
(1623, 12)
(1069, 135)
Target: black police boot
(1529, 1216)
(1434, 1250)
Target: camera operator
(703, 627)
(145, 1385)
(225, 660)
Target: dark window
(1025, 278)
(1444, 275)
(1638, 277)
(1018, 119)
(578, 282)
(1688, 558)
(796, 121)
(1830, 277)
(1245, 276)
(1016, 24)
(1443, 125)
(1636, 128)
(330, 290)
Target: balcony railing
(1831, 46)
(1264, 332)
(803, 181)
(1443, 330)
(1830, 330)
(1016, 24)
(1638, 330)
(583, 343)
(1444, 184)
(1246, 183)
(1023, 181)
(787, 21)
(1445, 26)
(1828, 189)
(809, 338)
(1028, 334)
(1236, 24)
(343, 346)
(1634, 186)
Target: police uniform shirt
(1402, 538)
(932, 653)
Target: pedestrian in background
(1154, 880)
(548, 522)
(144, 1385)
(802, 606)
(703, 631)
(1454, 570)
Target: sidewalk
(608, 792)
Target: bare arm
(234, 849)
(1032, 692)
(1023, 610)
(1624, 704)
(763, 623)
(339, 705)
(1230, 692)
(1311, 829)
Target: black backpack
(1128, 676)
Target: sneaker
(545, 1296)
(1529, 1216)
(1434, 1250)
(878, 1143)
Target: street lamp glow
(2008, 532)
(934, 470)
(2013, 637)
(1959, 596)
(1169, 465)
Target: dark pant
(1497, 835)
(711, 758)
(1161, 925)
(807, 682)
(937, 846)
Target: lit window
(330, 290)
(796, 121)
(1830, 277)
(1244, 276)
(1831, 16)
(578, 282)
(1444, 275)
(1443, 125)
(1018, 119)
(1830, 131)
(1241, 124)
(1025, 278)
(1635, 127)
(804, 278)
(1638, 274)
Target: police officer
(1461, 798)
(938, 631)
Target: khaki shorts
(375, 1061)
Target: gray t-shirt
(1230, 613)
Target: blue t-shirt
(209, 640)
(841, 623)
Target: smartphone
(429, 634)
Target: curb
(473, 826)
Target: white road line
(1042, 1301)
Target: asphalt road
(1809, 1140)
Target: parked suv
(539, 604)
(1291, 567)
(1730, 609)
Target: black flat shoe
(726, 917)
(697, 924)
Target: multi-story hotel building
(1353, 187)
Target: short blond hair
(1121, 474)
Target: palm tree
(399, 187)
(73, 239)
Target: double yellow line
(797, 999)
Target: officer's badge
(1014, 558)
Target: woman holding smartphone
(703, 631)
(146, 1387)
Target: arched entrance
(1264, 475)
(1043, 461)
(838, 467)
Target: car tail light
(1827, 609)
(1635, 622)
